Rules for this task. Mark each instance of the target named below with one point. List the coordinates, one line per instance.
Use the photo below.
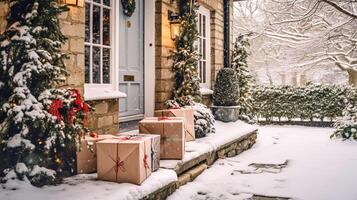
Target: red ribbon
(93, 134)
(119, 164)
(146, 164)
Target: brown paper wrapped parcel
(172, 135)
(124, 159)
(87, 156)
(187, 114)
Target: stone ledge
(191, 169)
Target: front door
(131, 59)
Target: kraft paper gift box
(172, 135)
(86, 155)
(124, 159)
(155, 149)
(187, 114)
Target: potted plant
(226, 96)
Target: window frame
(98, 90)
(202, 11)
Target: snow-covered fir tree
(240, 64)
(186, 91)
(185, 57)
(39, 125)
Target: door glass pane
(106, 26)
(96, 65)
(87, 29)
(106, 65)
(87, 64)
(96, 24)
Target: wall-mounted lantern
(174, 20)
(79, 3)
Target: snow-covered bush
(308, 102)
(346, 126)
(226, 89)
(204, 120)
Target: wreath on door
(128, 7)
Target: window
(203, 46)
(98, 42)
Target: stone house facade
(121, 64)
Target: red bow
(146, 164)
(55, 107)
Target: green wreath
(128, 7)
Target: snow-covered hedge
(311, 102)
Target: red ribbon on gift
(119, 164)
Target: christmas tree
(239, 63)
(185, 57)
(39, 125)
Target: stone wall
(4, 9)
(164, 43)
(105, 117)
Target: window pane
(204, 49)
(200, 24)
(106, 65)
(96, 65)
(96, 24)
(204, 72)
(200, 70)
(106, 2)
(87, 64)
(204, 26)
(97, 1)
(106, 26)
(87, 31)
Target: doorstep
(229, 140)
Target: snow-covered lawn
(301, 163)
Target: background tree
(294, 37)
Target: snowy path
(303, 164)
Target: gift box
(172, 135)
(187, 114)
(86, 155)
(155, 148)
(124, 159)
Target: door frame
(149, 62)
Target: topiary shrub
(226, 89)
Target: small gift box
(86, 155)
(172, 136)
(187, 114)
(124, 159)
(155, 148)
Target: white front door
(131, 59)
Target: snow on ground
(304, 164)
(225, 133)
(87, 187)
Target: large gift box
(172, 135)
(187, 114)
(155, 148)
(124, 159)
(86, 155)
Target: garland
(128, 7)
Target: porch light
(174, 24)
(79, 3)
